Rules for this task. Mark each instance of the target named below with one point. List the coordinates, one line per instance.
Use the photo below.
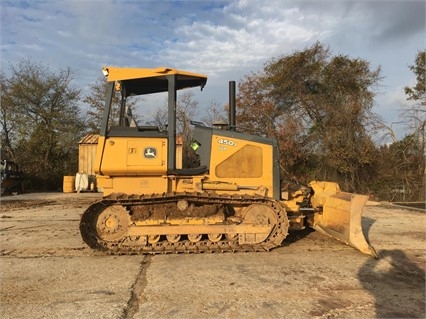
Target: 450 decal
(225, 142)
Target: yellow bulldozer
(231, 202)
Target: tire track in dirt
(137, 294)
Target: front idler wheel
(112, 223)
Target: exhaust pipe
(232, 107)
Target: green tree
(257, 113)
(415, 144)
(401, 164)
(416, 114)
(318, 106)
(418, 91)
(40, 122)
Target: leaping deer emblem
(150, 152)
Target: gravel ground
(46, 271)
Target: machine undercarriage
(184, 222)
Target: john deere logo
(150, 152)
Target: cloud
(223, 39)
(249, 33)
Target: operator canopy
(137, 81)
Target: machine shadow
(296, 235)
(366, 225)
(397, 284)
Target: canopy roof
(139, 81)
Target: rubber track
(88, 219)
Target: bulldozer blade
(341, 217)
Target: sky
(224, 40)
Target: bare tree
(215, 113)
(186, 110)
(96, 102)
(159, 118)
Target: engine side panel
(245, 160)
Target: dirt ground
(46, 271)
